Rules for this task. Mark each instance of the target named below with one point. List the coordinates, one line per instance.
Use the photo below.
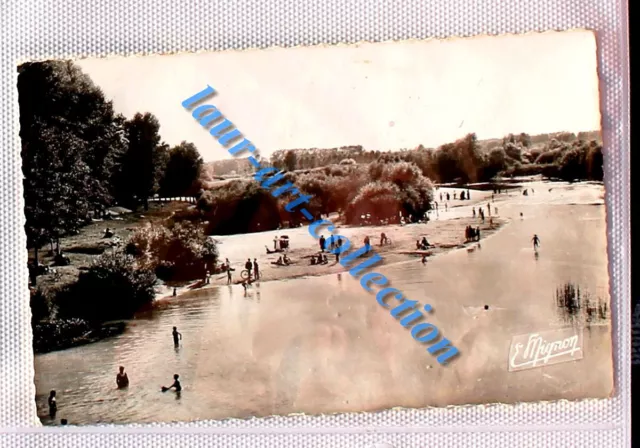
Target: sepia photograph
(316, 230)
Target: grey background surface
(40, 29)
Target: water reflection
(577, 305)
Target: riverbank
(445, 232)
(54, 335)
(442, 235)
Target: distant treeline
(564, 155)
(80, 157)
(374, 186)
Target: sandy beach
(445, 231)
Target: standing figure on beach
(275, 242)
(478, 233)
(256, 268)
(473, 210)
(207, 277)
(454, 195)
(468, 195)
(367, 244)
(228, 275)
(177, 337)
(448, 197)
(488, 209)
(53, 405)
(440, 197)
(446, 206)
(322, 241)
(536, 242)
(249, 267)
(332, 243)
(122, 380)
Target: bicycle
(387, 242)
(246, 274)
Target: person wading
(53, 405)
(122, 380)
(256, 268)
(176, 337)
(176, 384)
(536, 242)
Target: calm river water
(322, 344)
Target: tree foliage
(240, 206)
(143, 163)
(182, 252)
(114, 287)
(183, 169)
(71, 140)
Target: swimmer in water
(176, 337)
(53, 405)
(536, 242)
(176, 384)
(122, 380)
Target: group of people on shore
(472, 234)
(331, 244)
(252, 267)
(464, 195)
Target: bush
(496, 163)
(550, 156)
(513, 151)
(114, 287)
(40, 305)
(390, 189)
(182, 252)
(239, 207)
(379, 199)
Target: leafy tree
(182, 172)
(290, 160)
(595, 161)
(70, 141)
(239, 207)
(141, 165)
(378, 199)
(496, 162)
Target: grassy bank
(51, 332)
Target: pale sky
(382, 96)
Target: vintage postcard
(316, 230)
